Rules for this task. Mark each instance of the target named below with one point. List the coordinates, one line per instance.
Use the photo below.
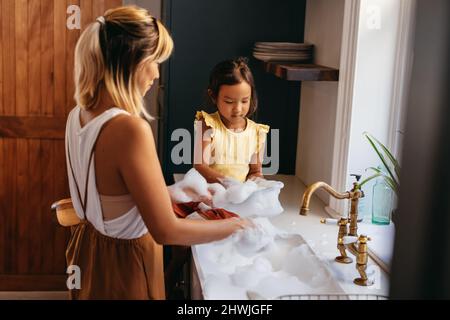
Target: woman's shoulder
(123, 137)
(127, 128)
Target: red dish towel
(182, 210)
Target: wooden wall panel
(87, 15)
(9, 57)
(9, 202)
(32, 127)
(35, 229)
(3, 222)
(36, 94)
(1, 66)
(48, 194)
(47, 54)
(98, 8)
(60, 183)
(21, 41)
(71, 40)
(60, 57)
(34, 58)
(21, 218)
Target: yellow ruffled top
(231, 152)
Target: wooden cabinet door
(36, 95)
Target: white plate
(283, 51)
(290, 45)
(280, 58)
(282, 54)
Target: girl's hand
(256, 176)
(228, 182)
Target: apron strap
(85, 198)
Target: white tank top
(79, 143)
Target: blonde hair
(109, 52)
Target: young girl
(228, 144)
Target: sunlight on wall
(377, 40)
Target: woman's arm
(141, 171)
(202, 148)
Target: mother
(115, 177)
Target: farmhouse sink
(287, 266)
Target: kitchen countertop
(321, 239)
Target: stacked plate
(283, 51)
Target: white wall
(377, 45)
(323, 28)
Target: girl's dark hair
(231, 72)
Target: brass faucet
(360, 251)
(353, 195)
(347, 243)
(313, 188)
(343, 232)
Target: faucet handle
(329, 221)
(343, 232)
(364, 239)
(349, 239)
(361, 261)
(352, 239)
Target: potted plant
(391, 172)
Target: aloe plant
(391, 176)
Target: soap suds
(251, 240)
(253, 198)
(300, 262)
(192, 188)
(250, 275)
(257, 198)
(262, 259)
(268, 262)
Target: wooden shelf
(301, 72)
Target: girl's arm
(202, 147)
(140, 168)
(257, 158)
(255, 167)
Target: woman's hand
(242, 223)
(205, 198)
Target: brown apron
(113, 268)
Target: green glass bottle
(382, 199)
